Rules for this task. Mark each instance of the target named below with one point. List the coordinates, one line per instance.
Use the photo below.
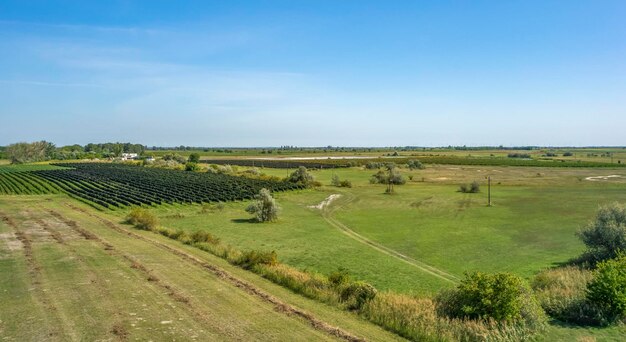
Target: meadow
(417, 241)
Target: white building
(129, 156)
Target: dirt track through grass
(327, 213)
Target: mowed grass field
(427, 225)
(71, 273)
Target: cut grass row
(153, 294)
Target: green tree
(194, 158)
(301, 176)
(264, 208)
(607, 290)
(605, 236)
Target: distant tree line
(24, 152)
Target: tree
(335, 180)
(30, 152)
(390, 177)
(301, 176)
(605, 237)
(264, 208)
(607, 290)
(194, 158)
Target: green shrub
(605, 237)
(607, 290)
(191, 166)
(249, 259)
(561, 292)
(142, 219)
(472, 188)
(356, 294)
(339, 277)
(345, 183)
(415, 165)
(503, 297)
(203, 236)
(301, 176)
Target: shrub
(335, 180)
(191, 166)
(250, 259)
(562, 292)
(142, 219)
(568, 154)
(339, 277)
(472, 188)
(415, 165)
(194, 158)
(605, 237)
(519, 155)
(503, 297)
(301, 176)
(264, 208)
(345, 183)
(608, 288)
(356, 294)
(203, 236)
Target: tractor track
(327, 214)
(279, 305)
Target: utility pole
(489, 191)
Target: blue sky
(314, 73)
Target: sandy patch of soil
(325, 203)
(603, 178)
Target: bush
(503, 297)
(357, 293)
(194, 158)
(605, 237)
(203, 236)
(608, 289)
(472, 188)
(519, 155)
(415, 165)
(191, 166)
(345, 184)
(301, 176)
(264, 208)
(339, 277)
(252, 258)
(562, 293)
(142, 219)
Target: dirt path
(56, 321)
(327, 214)
(279, 305)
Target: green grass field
(417, 241)
(70, 273)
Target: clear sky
(314, 73)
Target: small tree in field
(301, 176)
(264, 208)
(605, 237)
(194, 158)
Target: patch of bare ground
(41, 297)
(279, 305)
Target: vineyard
(115, 185)
(427, 159)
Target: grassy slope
(530, 227)
(71, 288)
